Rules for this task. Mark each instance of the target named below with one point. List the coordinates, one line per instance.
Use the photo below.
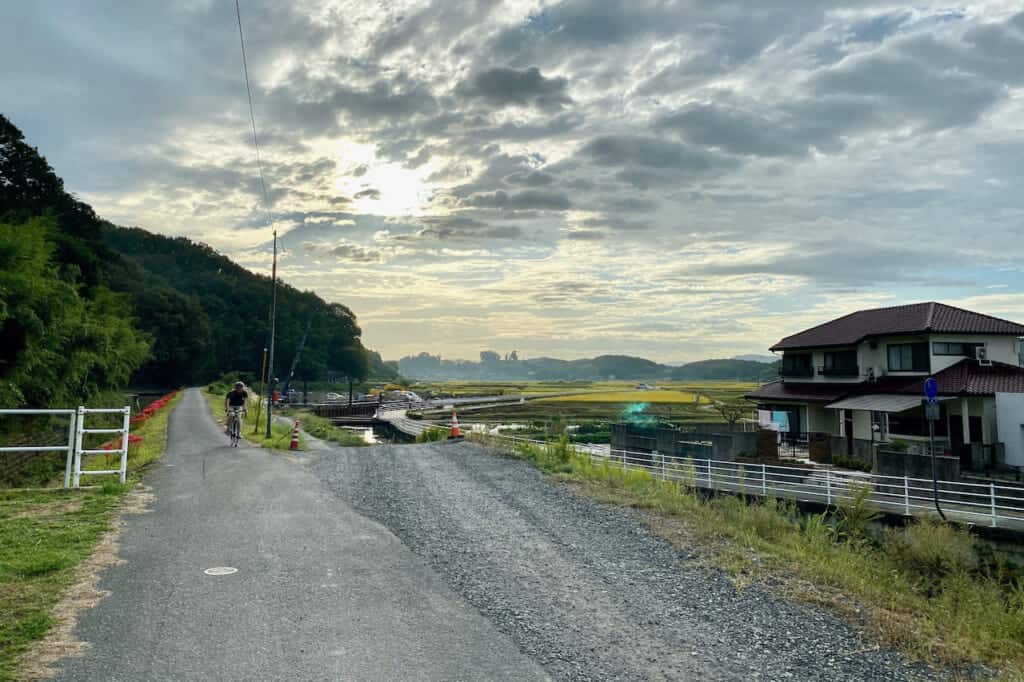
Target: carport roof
(877, 402)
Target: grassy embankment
(928, 589)
(323, 429)
(280, 433)
(45, 534)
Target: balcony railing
(797, 372)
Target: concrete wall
(671, 442)
(862, 449)
(892, 463)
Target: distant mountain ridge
(602, 367)
(766, 359)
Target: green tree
(56, 347)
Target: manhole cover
(220, 570)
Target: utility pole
(273, 325)
(259, 396)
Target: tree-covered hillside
(86, 306)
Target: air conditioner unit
(981, 355)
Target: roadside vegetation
(432, 434)
(253, 432)
(929, 589)
(323, 429)
(46, 533)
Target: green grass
(45, 534)
(323, 429)
(432, 434)
(280, 434)
(930, 589)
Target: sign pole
(931, 413)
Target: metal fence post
(79, 425)
(828, 486)
(623, 460)
(764, 481)
(127, 425)
(992, 492)
(711, 483)
(70, 463)
(906, 496)
(664, 476)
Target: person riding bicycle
(236, 397)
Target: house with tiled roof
(857, 381)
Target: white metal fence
(73, 446)
(989, 503)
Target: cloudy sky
(677, 180)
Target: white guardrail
(73, 471)
(991, 504)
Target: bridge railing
(990, 504)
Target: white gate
(73, 447)
(68, 447)
(81, 431)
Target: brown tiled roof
(916, 318)
(797, 390)
(965, 378)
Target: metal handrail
(819, 484)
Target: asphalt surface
(584, 588)
(321, 592)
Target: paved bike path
(321, 593)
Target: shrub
(929, 551)
(431, 435)
(854, 513)
(899, 445)
(851, 463)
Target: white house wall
(862, 424)
(1000, 349)
(1010, 422)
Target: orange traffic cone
(295, 436)
(456, 433)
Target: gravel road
(583, 588)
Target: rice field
(654, 396)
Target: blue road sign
(931, 389)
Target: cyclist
(235, 400)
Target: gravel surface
(583, 588)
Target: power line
(252, 110)
(266, 208)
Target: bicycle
(235, 424)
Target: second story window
(797, 365)
(908, 357)
(841, 363)
(955, 348)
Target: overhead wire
(266, 209)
